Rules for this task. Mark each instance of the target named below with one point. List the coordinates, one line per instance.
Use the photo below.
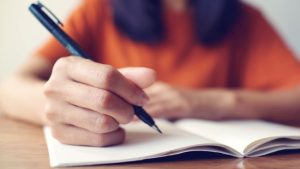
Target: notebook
(234, 138)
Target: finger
(60, 112)
(157, 90)
(165, 109)
(157, 110)
(143, 77)
(105, 77)
(97, 100)
(67, 134)
(161, 97)
(157, 99)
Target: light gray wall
(20, 33)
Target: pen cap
(55, 30)
(37, 11)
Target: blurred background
(20, 33)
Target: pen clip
(42, 6)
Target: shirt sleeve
(264, 61)
(81, 25)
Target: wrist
(215, 104)
(247, 105)
(224, 104)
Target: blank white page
(142, 142)
(237, 134)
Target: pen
(39, 11)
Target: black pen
(74, 49)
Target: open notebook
(234, 138)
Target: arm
(220, 104)
(21, 95)
(279, 106)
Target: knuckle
(108, 77)
(54, 84)
(105, 100)
(109, 139)
(50, 88)
(127, 115)
(106, 124)
(135, 95)
(98, 125)
(57, 133)
(50, 112)
(61, 63)
(47, 89)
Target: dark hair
(141, 20)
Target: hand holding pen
(86, 101)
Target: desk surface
(23, 146)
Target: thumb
(143, 77)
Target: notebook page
(237, 134)
(142, 142)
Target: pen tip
(156, 128)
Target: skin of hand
(87, 101)
(171, 102)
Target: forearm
(278, 106)
(21, 97)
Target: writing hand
(87, 101)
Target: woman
(214, 59)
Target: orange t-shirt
(251, 56)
